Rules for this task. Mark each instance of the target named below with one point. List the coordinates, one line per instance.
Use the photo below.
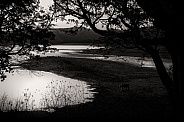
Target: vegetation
(84, 36)
(23, 26)
(58, 94)
(147, 97)
(22, 23)
(123, 21)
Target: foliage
(121, 21)
(125, 23)
(24, 25)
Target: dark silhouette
(124, 23)
(127, 24)
(22, 24)
(124, 87)
(168, 16)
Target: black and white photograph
(91, 60)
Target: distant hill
(83, 35)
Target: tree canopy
(23, 26)
(127, 22)
(119, 19)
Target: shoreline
(147, 97)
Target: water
(43, 90)
(74, 51)
(40, 90)
(33, 90)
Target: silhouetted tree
(24, 25)
(168, 16)
(125, 20)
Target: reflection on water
(44, 89)
(38, 89)
(74, 52)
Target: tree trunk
(168, 16)
(174, 86)
(178, 77)
(162, 72)
(175, 48)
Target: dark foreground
(146, 99)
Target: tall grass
(58, 94)
(24, 103)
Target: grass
(24, 103)
(146, 99)
(57, 94)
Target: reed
(58, 94)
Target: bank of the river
(147, 97)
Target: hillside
(82, 36)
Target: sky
(46, 3)
(59, 24)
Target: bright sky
(59, 24)
(46, 3)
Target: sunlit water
(40, 89)
(74, 51)
(45, 89)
